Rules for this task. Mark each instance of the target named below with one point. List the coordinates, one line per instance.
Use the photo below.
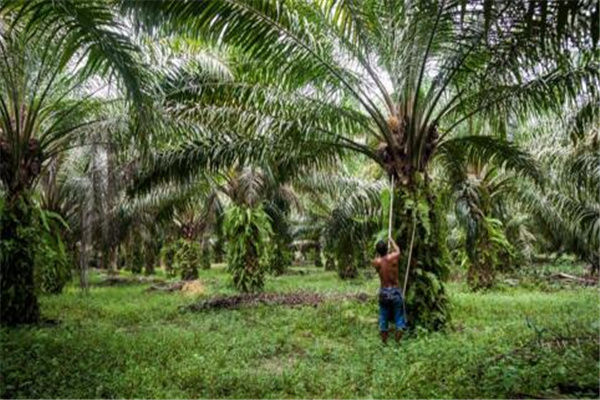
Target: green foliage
(92, 27)
(135, 259)
(490, 253)
(126, 342)
(279, 258)
(520, 233)
(458, 154)
(329, 262)
(406, 121)
(481, 191)
(52, 262)
(187, 258)
(167, 255)
(346, 266)
(567, 211)
(318, 257)
(206, 255)
(151, 253)
(47, 107)
(247, 230)
(504, 249)
(19, 238)
(427, 303)
(248, 133)
(278, 208)
(344, 214)
(53, 266)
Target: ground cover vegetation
(123, 340)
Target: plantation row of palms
(142, 133)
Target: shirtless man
(390, 298)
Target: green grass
(127, 342)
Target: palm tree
(256, 224)
(48, 50)
(196, 221)
(566, 212)
(477, 192)
(480, 191)
(177, 218)
(249, 202)
(345, 213)
(392, 80)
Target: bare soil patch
(255, 299)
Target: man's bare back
(387, 267)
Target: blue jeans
(390, 307)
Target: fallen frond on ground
(582, 280)
(288, 299)
(128, 280)
(167, 287)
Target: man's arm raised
(394, 255)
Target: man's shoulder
(390, 261)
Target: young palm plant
(196, 221)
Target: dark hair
(381, 248)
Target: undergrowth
(126, 342)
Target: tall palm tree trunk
(18, 300)
(318, 259)
(206, 256)
(329, 263)
(482, 263)
(280, 257)
(109, 229)
(150, 262)
(252, 269)
(426, 298)
(85, 240)
(219, 250)
(99, 215)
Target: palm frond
(486, 149)
(91, 31)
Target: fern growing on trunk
(18, 298)
(487, 253)
(427, 303)
(247, 229)
(188, 255)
